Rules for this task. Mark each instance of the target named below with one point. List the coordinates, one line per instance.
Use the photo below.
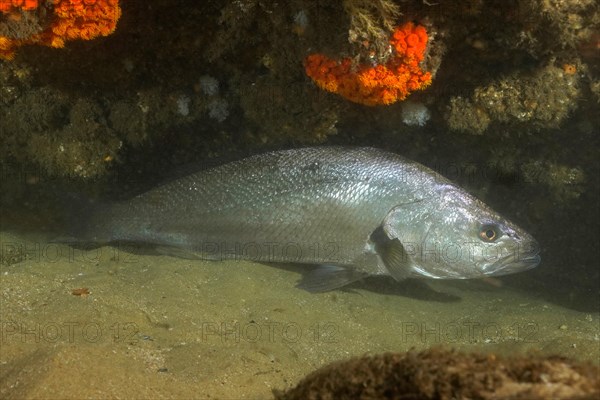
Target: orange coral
(71, 19)
(380, 84)
(7, 6)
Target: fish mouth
(514, 263)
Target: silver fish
(354, 212)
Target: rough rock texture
(443, 374)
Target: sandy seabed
(111, 323)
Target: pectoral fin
(391, 250)
(396, 260)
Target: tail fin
(84, 220)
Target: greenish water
(514, 120)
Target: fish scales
(355, 211)
(296, 200)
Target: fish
(350, 212)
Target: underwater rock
(543, 100)
(448, 374)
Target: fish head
(453, 235)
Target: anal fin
(329, 277)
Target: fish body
(353, 211)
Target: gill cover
(418, 231)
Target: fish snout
(522, 259)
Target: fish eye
(489, 233)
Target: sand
(111, 323)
